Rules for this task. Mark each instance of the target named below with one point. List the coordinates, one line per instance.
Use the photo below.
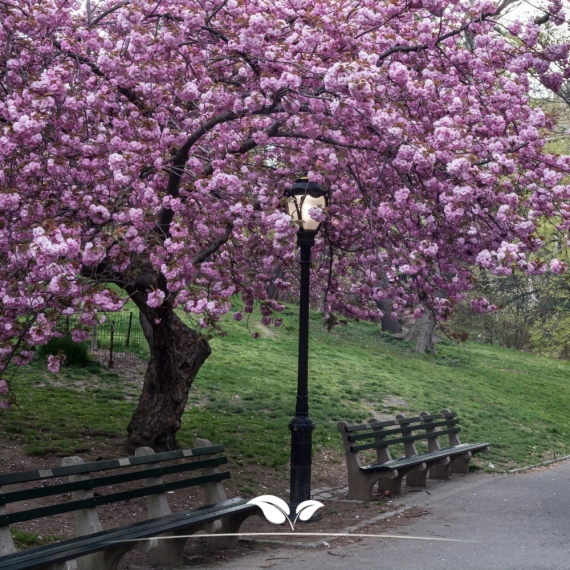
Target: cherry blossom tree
(146, 146)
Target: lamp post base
(301, 428)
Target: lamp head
(303, 196)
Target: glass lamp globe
(303, 196)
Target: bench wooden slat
(421, 425)
(449, 415)
(30, 514)
(417, 427)
(88, 544)
(395, 441)
(359, 427)
(29, 494)
(372, 425)
(422, 418)
(430, 455)
(409, 420)
(394, 464)
(35, 475)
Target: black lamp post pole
(302, 425)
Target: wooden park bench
(388, 472)
(98, 549)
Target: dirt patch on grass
(395, 402)
(129, 368)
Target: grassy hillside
(244, 395)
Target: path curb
(520, 469)
(327, 539)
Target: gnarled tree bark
(176, 354)
(387, 323)
(421, 334)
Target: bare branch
(326, 140)
(488, 160)
(502, 6)
(450, 34)
(215, 12)
(215, 32)
(109, 11)
(128, 93)
(247, 145)
(214, 246)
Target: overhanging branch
(214, 246)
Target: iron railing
(120, 334)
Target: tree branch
(128, 93)
(488, 160)
(247, 145)
(326, 140)
(214, 246)
(109, 11)
(215, 12)
(450, 34)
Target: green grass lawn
(244, 396)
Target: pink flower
(78, 335)
(399, 73)
(556, 266)
(3, 387)
(317, 214)
(238, 316)
(155, 298)
(552, 80)
(4, 404)
(54, 362)
(480, 305)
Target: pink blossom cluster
(4, 404)
(159, 138)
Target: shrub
(76, 353)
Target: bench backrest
(380, 435)
(149, 467)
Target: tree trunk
(388, 324)
(176, 354)
(421, 334)
(271, 290)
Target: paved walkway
(516, 522)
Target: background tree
(127, 139)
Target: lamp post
(301, 197)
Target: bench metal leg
(417, 477)
(361, 491)
(69, 565)
(109, 559)
(360, 484)
(230, 525)
(440, 470)
(394, 486)
(6, 542)
(169, 552)
(461, 464)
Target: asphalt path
(508, 522)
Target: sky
(527, 7)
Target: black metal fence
(120, 336)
